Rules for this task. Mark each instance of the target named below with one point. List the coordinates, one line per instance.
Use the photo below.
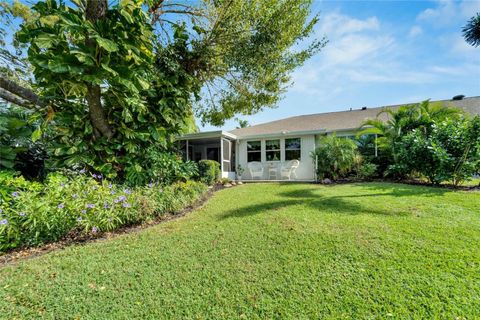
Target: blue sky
(382, 53)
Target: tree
(336, 157)
(471, 31)
(111, 80)
(418, 116)
(450, 151)
(242, 123)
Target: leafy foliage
(65, 67)
(34, 214)
(451, 152)
(336, 157)
(209, 171)
(166, 168)
(471, 31)
(392, 124)
(18, 151)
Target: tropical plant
(112, 80)
(209, 171)
(336, 157)
(471, 31)
(166, 167)
(392, 124)
(18, 152)
(450, 152)
(35, 214)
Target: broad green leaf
(107, 68)
(44, 40)
(106, 44)
(37, 134)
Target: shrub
(449, 152)
(209, 171)
(38, 214)
(336, 157)
(366, 170)
(162, 167)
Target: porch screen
(226, 146)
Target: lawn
(359, 251)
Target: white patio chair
(256, 170)
(288, 169)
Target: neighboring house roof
(340, 120)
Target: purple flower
(83, 211)
(105, 205)
(90, 205)
(15, 194)
(1, 210)
(82, 171)
(94, 230)
(150, 185)
(79, 219)
(122, 198)
(61, 206)
(74, 196)
(116, 200)
(62, 184)
(127, 191)
(99, 176)
(110, 186)
(22, 214)
(94, 175)
(3, 222)
(113, 192)
(126, 205)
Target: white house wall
(306, 169)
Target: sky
(381, 53)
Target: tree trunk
(96, 10)
(97, 116)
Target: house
(272, 145)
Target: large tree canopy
(111, 79)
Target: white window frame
(279, 150)
(290, 149)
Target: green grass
(355, 251)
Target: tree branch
(22, 92)
(10, 97)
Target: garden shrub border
(17, 255)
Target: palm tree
(471, 32)
(406, 118)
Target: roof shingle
(340, 120)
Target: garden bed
(76, 237)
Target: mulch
(79, 238)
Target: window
(293, 149)
(254, 151)
(272, 148)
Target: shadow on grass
(313, 198)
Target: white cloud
(362, 53)
(415, 31)
(336, 24)
(449, 11)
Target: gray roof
(340, 120)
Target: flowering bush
(33, 216)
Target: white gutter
(282, 134)
(207, 135)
